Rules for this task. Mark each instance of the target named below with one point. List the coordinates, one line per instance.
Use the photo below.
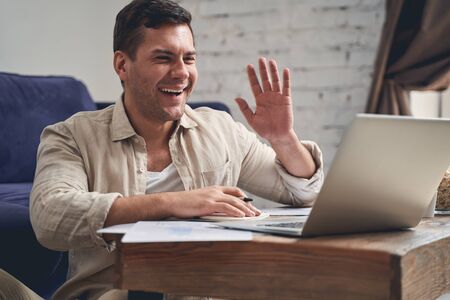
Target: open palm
(273, 117)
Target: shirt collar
(121, 127)
(187, 120)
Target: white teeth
(172, 91)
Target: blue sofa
(27, 105)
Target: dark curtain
(414, 54)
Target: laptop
(383, 177)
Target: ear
(120, 64)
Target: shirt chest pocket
(221, 175)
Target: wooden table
(410, 264)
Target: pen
(246, 199)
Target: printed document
(181, 231)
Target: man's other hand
(210, 200)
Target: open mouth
(175, 92)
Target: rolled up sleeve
(263, 174)
(304, 191)
(64, 213)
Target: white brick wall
(329, 45)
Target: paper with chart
(181, 231)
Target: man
(151, 156)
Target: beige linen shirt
(89, 160)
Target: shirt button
(141, 170)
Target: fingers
(209, 200)
(232, 203)
(254, 209)
(274, 76)
(228, 209)
(237, 200)
(231, 210)
(235, 206)
(286, 83)
(232, 190)
(267, 87)
(253, 79)
(245, 109)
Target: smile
(172, 91)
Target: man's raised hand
(273, 116)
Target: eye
(189, 60)
(162, 58)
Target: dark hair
(148, 13)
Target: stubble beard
(154, 110)
(150, 105)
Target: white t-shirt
(168, 180)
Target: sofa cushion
(15, 194)
(27, 105)
(21, 255)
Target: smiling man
(151, 157)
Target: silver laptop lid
(383, 176)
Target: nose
(179, 70)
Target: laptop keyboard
(285, 225)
